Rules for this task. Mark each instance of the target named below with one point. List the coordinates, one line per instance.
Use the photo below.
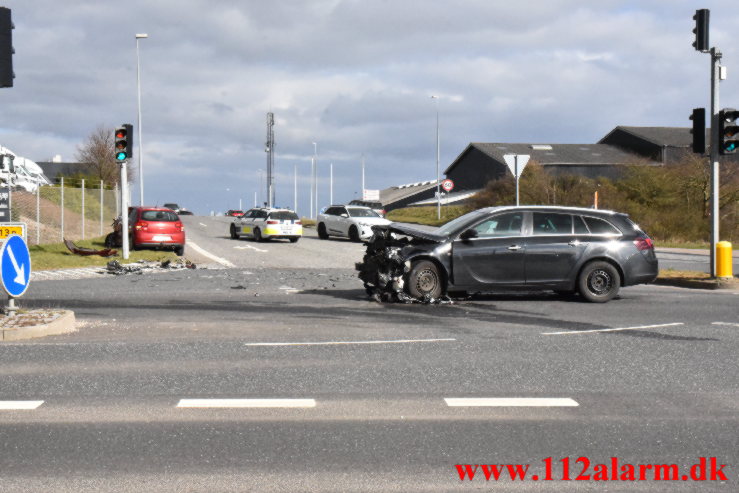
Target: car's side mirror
(469, 234)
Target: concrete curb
(63, 324)
(710, 284)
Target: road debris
(384, 266)
(105, 252)
(144, 266)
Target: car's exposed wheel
(424, 280)
(232, 230)
(294, 240)
(179, 251)
(354, 233)
(322, 233)
(258, 235)
(599, 282)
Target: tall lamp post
(438, 189)
(138, 93)
(315, 178)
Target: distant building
(56, 169)
(481, 162)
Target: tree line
(671, 202)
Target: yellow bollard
(723, 259)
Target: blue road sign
(15, 266)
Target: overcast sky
(355, 76)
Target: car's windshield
(357, 212)
(456, 224)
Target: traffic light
(728, 131)
(701, 29)
(6, 48)
(699, 130)
(124, 142)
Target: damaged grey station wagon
(565, 249)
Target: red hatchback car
(157, 228)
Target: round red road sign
(447, 185)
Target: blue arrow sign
(15, 266)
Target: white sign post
(516, 163)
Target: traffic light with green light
(728, 135)
(123, 142)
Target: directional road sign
(15, 266)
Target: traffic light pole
(715, 144)
(124, 210)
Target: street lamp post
(315, 178)
(138, 93)
(438, 189)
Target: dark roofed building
(55, 170)
(663, 144)
(481, 162)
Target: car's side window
(580, 227)
(549, 223)
(332, 211)
(501, 225)
(599, 226)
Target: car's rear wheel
(354, 233)
(424, 280)
(322, 233)
(258, 235)
(599, 282)
(294, 240)
(179, 251)
(232, 230)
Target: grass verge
(57, 256)
(694, 279)
(427, 215)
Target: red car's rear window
(165, 216)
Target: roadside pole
(715, 143)
(124, 210)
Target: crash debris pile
(143, 266)
(383, 270)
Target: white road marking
(245, 403)
(337, 343)
(725, 323)
(250, 247)
(19, 405)
(610, 330)
(203, 225)
(220, 260)
(511, 402)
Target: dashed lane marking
(245, 403)
(569, 332)
(219, 260)
(510, 402)
(725, 323)
(19, 405)
(338, 343)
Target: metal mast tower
(270, 150)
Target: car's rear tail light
(141, 225)
(644, 243)
(297, 222)
(273, 222)
(180, 226)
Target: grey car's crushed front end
(388, 258)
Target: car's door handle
(514, 247)
(575, 243)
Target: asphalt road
(649, 378)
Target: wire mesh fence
(57, 212)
